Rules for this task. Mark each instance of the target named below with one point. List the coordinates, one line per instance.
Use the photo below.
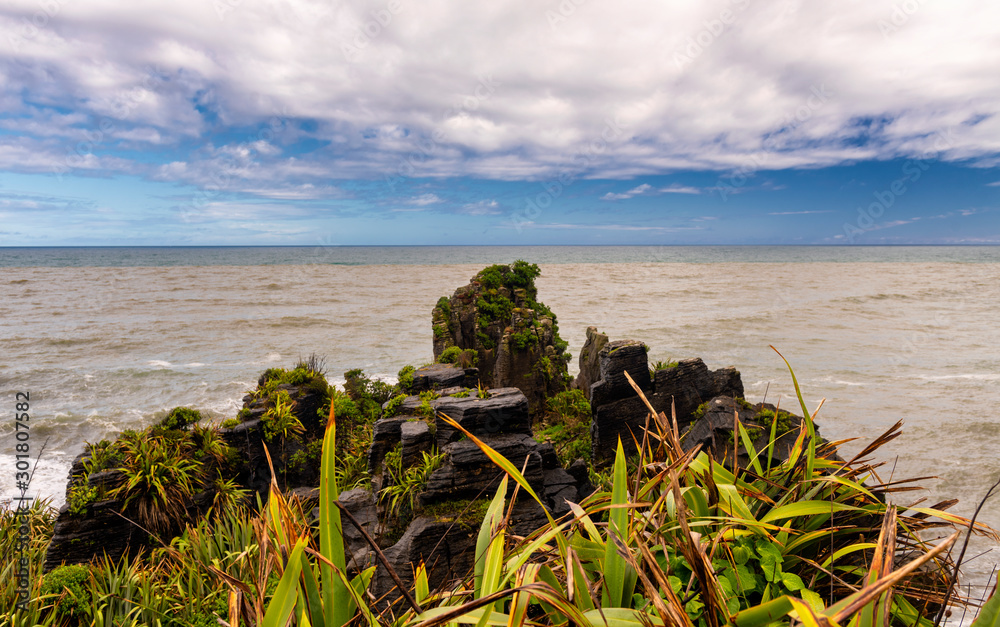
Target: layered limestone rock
(445, 522)
(515, 338)
(714, 424)
(618, 412)
(590, 362)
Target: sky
(397, 122)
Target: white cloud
(679, 189)
(647, 190)
(481, 208)
(796, 213)
(425, 199)
(804, 84)
(635, 191)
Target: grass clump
(406, 484)
(566, 425)
(661, 365)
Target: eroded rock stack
(514, 337)
(618, 412)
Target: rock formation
(618, 412)
(590, 363)
(515, 337)
(465, 477)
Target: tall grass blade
(806, 417)
(337, 598)
(614, 564)
(286, 594)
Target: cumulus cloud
(658, 88)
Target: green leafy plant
(159, 480)
(80, 497)
(69, 583)
(281, 420)
(449, 355)
(394, 406)
(425, 408)
(406, 484)
(180, 418)
(566, 425)
(405, 377)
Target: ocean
(110, 338)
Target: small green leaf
(792, 582)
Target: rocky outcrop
(441, 376)
(690, 383)
(109, 526)
(713, 429)
(514, 337)
(590, 363)
(618, 412)
(504, 410)
(468, 473)
(442, 534)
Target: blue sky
(310, 122)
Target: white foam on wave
(837, 381)
(160, 363)
(48, 480)
(970, 377)
(194, 364)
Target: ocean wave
(971, 377)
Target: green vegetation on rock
(567, 426)
(449, 355)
